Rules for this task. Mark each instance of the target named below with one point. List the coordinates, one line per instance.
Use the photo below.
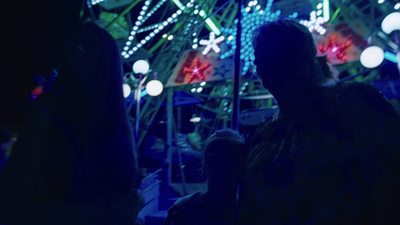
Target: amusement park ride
(191, 45)
(200, 50)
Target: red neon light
(333, 48)
(196, 70)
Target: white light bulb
(141, 67)
(126, 89)
(154, 87)
(372, 57)
(391, 22)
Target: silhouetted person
(224, 164)
(74, 161)
(330, 155)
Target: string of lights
(252, 15)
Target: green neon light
(335, 14)
(179, 4)
(325, 7)
(210, 23)
(212, 26)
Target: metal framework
(165, 52)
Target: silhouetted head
(90, 76)
(285, 55)
(90, 66)
(224, 156)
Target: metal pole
(397, 41)
(170, 95)
(137, 119)
(237, 72)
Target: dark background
(32, 34)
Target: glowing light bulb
(141, 67)
(372, 57)
(391, 22)
(126, 89)
(154, 87)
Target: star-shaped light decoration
(335, 49)
(196, 70)
(252, 17)
(211, 44)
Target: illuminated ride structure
(191, 46)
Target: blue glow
(143, 93)
(391, 57)
(294, 15)
(250, 21)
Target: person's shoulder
(180, 211)
(361, 102)
(360, 94)
(356, 89)
(184, 202)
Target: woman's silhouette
(74, 161)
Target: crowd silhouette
(329, 155)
